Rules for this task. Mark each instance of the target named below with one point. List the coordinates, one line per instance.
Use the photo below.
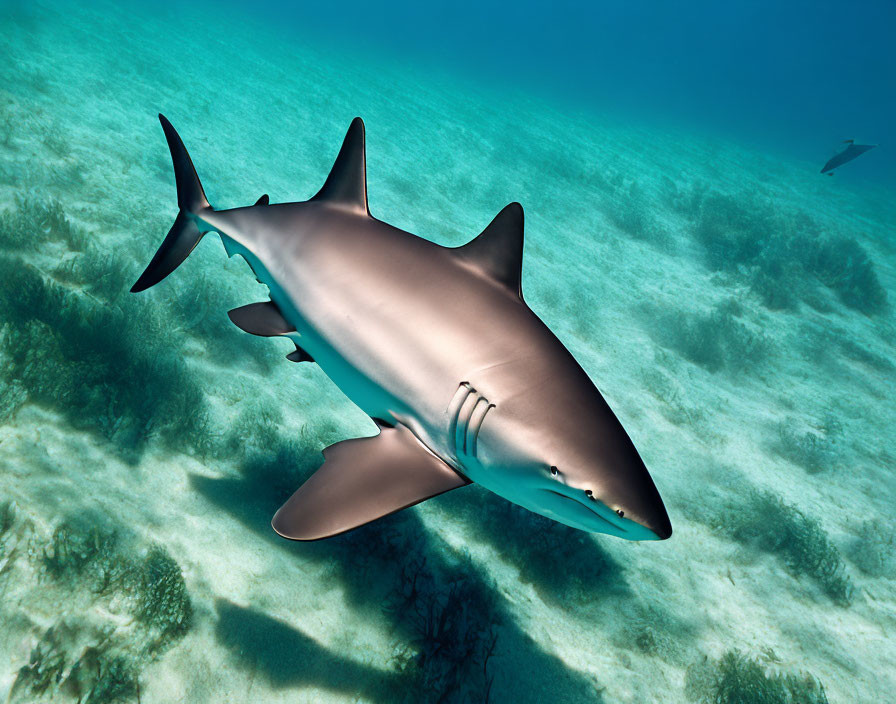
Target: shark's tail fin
(185, 233)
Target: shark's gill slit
(454, 408)
(464, 414)
(479, 413)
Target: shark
(437, 345)
(850, 152)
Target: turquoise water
(734, 306)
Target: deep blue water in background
(793, 77)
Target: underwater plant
(94, 271)
(45, 668)
(55, 139)
(255, 431)
(874, 549)
(32, 223)
(452, 626)
(98, 659)
(762, 520)
(671, 392)
(732, 230)
(87, 546)
(782, 255)
(843, 265)
(163, 602)
(14, 534)
(652, 630)
(862, 354)
(717, 340)
(104, 678)
(738, 679)
(95, 363)
(99, 675)
(445, 613)
(631, 211)
(814, 450)
(7, 516)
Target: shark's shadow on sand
(457, 639)
(289, 658)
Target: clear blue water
(791, 77)
(733, 305)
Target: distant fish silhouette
(851, 152)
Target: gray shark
(435, 344)
(852, 151)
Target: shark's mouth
(584, 512)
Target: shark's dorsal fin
(498, 250)
(262, 319)
(264, 200)
(362, 480)
(347, 183)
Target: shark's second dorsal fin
(498, 250)
(347, 183)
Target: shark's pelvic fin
(264, 200)
(185, 234)
(498, 250)
(299, 355)
(362, 480)
(262, 319)
(347, 183)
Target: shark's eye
(590, 494)
(620, 512)
(554, 471)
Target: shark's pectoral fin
(362, 480)
(262, 319)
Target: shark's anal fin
(299, 355)
(498, 250)
(262, 319)
(362, 480)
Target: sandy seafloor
(735, 392)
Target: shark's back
(409, 316)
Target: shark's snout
(648, 513)
(643, 518)
(662, 527)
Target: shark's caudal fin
(185, 233)
(346, 185)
